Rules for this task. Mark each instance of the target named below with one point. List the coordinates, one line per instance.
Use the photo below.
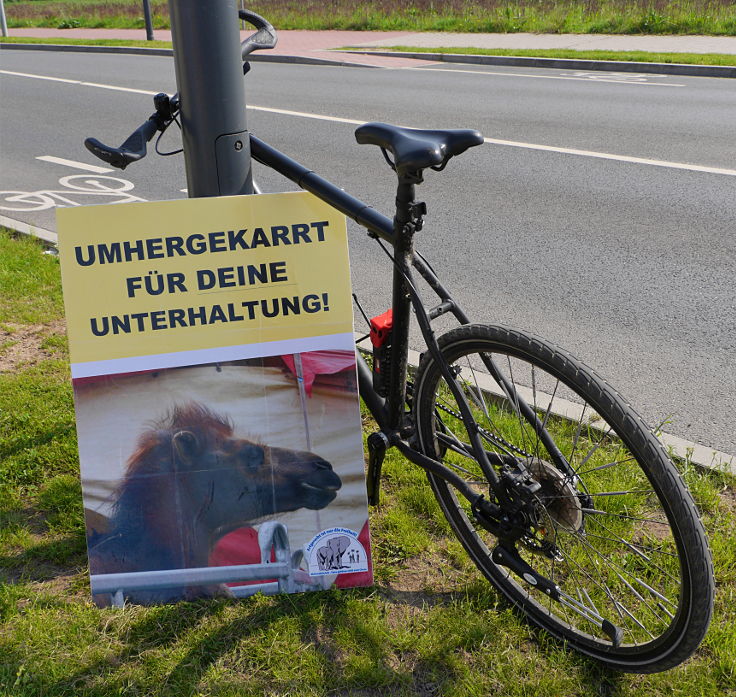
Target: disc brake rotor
(559, 500)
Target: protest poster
(215, 390)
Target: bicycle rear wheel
(614, 527)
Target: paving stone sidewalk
(303, 44)
(321, 44)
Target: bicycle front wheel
(613, 525)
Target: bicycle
(563, 498)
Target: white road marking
(619, 80)
(531, 146)
(39, 77)
(77, 82)
(619, 158)
(305, 115)
(624, 77)
(74, 164)
(494, 141)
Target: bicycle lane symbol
(77, 190)
(613, 77)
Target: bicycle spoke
(608, 493)
(595, 511)
(577, 433)
(600, 584)
(637, 550)
(618, 606)
(606, 466)
(534, 406)
(593, 450)
(482, 402)
(617, 603)
(486, 411)
(619, 568)
(516, 403)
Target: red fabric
(359, 578)
(316, 363)
(239, 547)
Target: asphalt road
(627, 264)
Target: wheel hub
(558, 499)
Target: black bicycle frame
(390, 413)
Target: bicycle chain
(488, 434)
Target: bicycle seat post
(407, 221)
(413, 150)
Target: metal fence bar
(171, 578)
(247, 591)
(271, 535)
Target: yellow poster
(151, 280)
(216, 397)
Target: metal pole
(209, 77)
(2, 18)
(147, 17)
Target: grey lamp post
(209, 77)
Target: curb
(142, 51)
(565, 63)
(139, 50)
(700, 455)
(473, 59)
(51, 238)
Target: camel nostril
(322, 465)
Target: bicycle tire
(607, 555)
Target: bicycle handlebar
(132, 150)
(134, 147)
(264, 38)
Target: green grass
(430, 626)
(29, 287)
(633, 56)
(575, 16)
(64, 41)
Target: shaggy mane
(153, 449)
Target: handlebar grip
(132, 150)
(264, 38)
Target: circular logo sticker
(336, 551)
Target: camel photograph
(183, 468)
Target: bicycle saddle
(415, 149)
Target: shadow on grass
(318, 618)
(349, 642)
(44, 561)
(603, 681)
